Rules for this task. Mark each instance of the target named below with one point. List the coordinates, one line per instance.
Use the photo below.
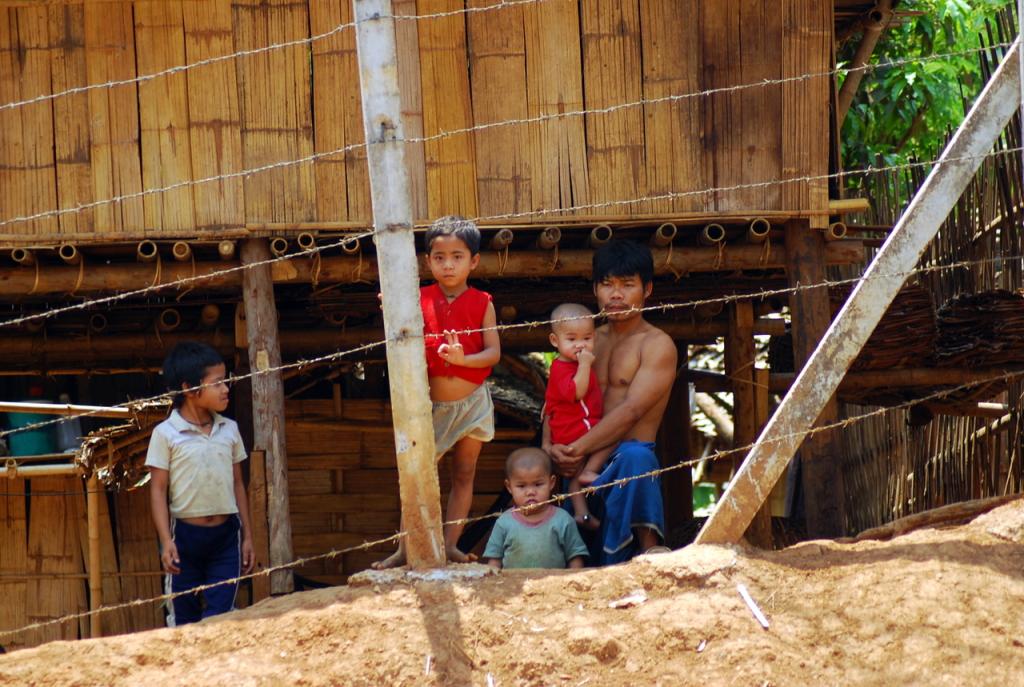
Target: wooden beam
(268, 404)
(59, 280)
(391, 197)
(739, 368)
(260, 537)
(821, 477)
(905, 378)
(673, 446)
(819, 379)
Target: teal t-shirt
(550, 543)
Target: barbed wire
(586, 491)
(661, 307)
(91, 302)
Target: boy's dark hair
(187, 363)
(621, 258)
(455, 225)
(526, 458)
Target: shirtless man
(636, 367)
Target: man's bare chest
(618, 368)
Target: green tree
(906, 112)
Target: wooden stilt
(268, 404)
(674, 447)
(260, 538)
(822, 479)
(739, 367)
(92, 509)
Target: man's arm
(652, 382)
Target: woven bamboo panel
(497, 62)
(612, 74)
(276, 110)
(13, 560)
(71, 138)
(214, 122)
(164, 115)
(451, 161)
(139, 552)
(407, 37)
(671, 51)
(113, 116)
(54, 547)
(343, 190)
(806, 49)
(26, 144)
(554, 82)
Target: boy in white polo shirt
(196, 489)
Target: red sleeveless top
(465, 312)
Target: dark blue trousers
(208, 555)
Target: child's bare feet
(587, 477)
(587, 521)
(456, 556)
(395, 560)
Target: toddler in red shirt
(573, 403)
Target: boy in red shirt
(573, 403)
(457, 366)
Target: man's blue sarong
(636, 503)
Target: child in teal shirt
(532, 535)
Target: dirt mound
(935, 607)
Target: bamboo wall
(458, 71)
(343, 482)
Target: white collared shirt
(201, 466)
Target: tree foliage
(907, 112)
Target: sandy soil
(935, 607)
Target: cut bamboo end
(335, 319)
(549, 238)
(708, 311)
(835, 231)
(181, 251)
(841, 206)
(146, 251)
(35, 326)
(69, 254)
(97, 323)
(502, 239)
(305, 241)
(278, 246)
(508, 313)
(664, 235)
(226, 250)
(23, 256)
(350, 246)
(711, 235)
(168, 320)
(600, 235)
(758, 230)
(209, 316)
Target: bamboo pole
(13, 470)
(820, 377)
(63, 409)
(396, 257)
(878, 19)
(92, 501)
(350, 268)
(268, 404)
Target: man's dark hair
(187, 363)
(457, 226)
(621, 258)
